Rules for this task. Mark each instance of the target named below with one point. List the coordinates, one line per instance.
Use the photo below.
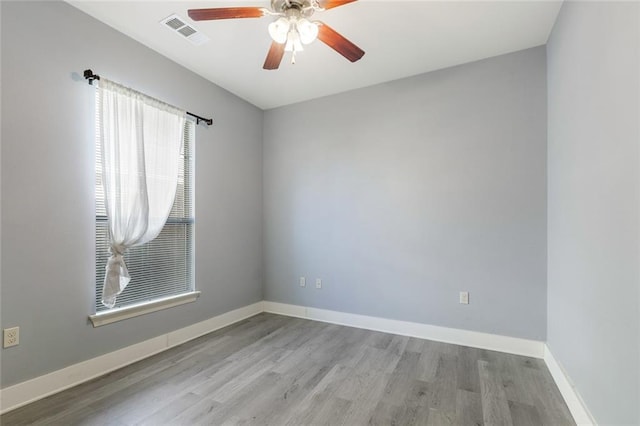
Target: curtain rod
(90, 76)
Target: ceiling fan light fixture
(308, 31)
(279, 29)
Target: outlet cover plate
(11, 337)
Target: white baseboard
(571, 396)
(512, 345)
(40, 387)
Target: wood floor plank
(233, 369)
(469, 408)
(386, 414)
(418, 416)
(546, 396)
(167, 412)
(306, 411)
(441, 418)
(371, 358)
(241, 375)
(524, 415)
(415, 345)
(443, 390)
(365, 398)
(467, 374)
(495, 407)
(289, 391)
(401, 380)
(332, 412)
(428, 362)
(198, 413)
(275, 370)
(510, 376)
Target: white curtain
(141, 141)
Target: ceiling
(400, 38)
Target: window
(163, 267)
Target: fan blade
(274, 57)
(330, 4)
(225, 13)
(337, 42)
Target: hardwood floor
(277, 370)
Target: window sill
(119, 314)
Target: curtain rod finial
(89, 75)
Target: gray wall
(400, 195)
(593, 204)
(48, 187)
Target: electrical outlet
(11, 337)
(318, 283)
(303, 282)
(464, 297)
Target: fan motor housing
(305, 7)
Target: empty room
(320, 212)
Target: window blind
(164, 266)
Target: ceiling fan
(292, 29)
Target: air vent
(178, 25)
(187, 31)
(175, 23)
